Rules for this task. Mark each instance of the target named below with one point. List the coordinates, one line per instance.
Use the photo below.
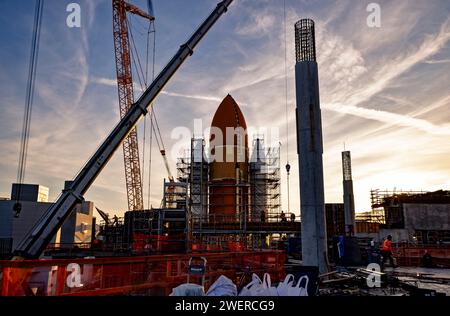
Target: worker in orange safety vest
(386, 252)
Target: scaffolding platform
(249, 227)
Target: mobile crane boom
(34, 243)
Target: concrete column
(310, 149)
(349, 201)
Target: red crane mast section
(126, 99)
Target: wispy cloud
(388, 118)
(257, 24)
(439, 61)
(113, 83)
(442, 102)
(104, 81)
(189, 96)
(344, 66)
(400, 64)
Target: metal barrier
(149, 275)
(411, 255)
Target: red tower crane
(126, 98)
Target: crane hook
(288, 168)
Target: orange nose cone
(228, 114)
(229, 168)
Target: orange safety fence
(411, 255)
(146, 275)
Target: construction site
(221, 212)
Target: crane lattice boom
(126, 98)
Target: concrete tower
(310, 148)
(228, 200)
(349, 202)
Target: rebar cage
(305, 43)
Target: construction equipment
(126, 98)
(166, 163)
(162, 150)
(171, 187)
(104, 216)
(43, 231)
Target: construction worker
(427, 260)
(283, 216)
(370, 251)
(386, 252)
(292, 217)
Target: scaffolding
(391, 203)
(146, 232)
(113, 235)
(193, 169)
(375, 216)
(258, 201)
(382, 198)
(175, 195)
(264, 182)
(184, 222)
(154, 231)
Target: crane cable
(28, 104)
(288, 166)
(143, 81)
(136, 61)
(152, 112)
(154, 128)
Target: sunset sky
(385, 91)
